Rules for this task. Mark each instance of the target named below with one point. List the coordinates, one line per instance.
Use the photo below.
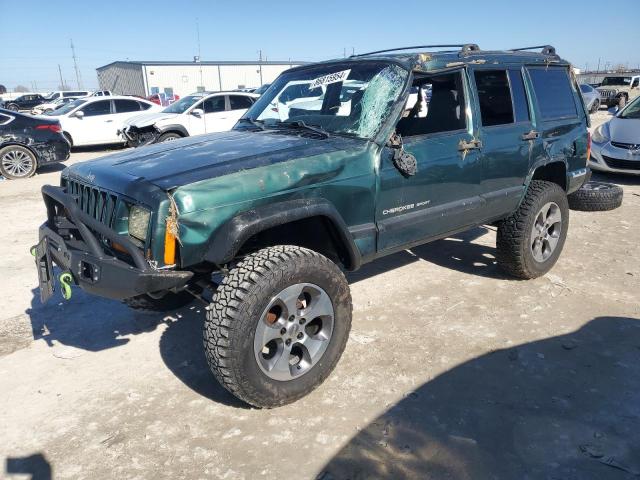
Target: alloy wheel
(17, 163)
(546, 231)
(294, 331)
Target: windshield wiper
(311, 128)
(256, 123)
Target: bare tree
(21, 89)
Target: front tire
(17, 162)
(168, 137)
(13, 107)
(278, 324)
(530, 241)
(595, 107)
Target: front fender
(229, 238)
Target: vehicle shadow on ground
(458, 252)
(36, 466)
(563, 407)
(94, 324)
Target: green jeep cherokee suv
(337, 164)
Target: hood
(625, 130)
(189, 160)
(146, 119)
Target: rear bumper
(72, 245)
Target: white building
(183, 78)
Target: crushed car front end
(103, 239)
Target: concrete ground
(453, 370)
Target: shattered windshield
(183, 104)
(342, 98)
(616, 81)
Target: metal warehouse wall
(185, 79)
(122, 79)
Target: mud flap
(45, 269)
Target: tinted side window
(519, 95)
(123, 106)
(494, 97)
(554, 93)
(239, 102)
(144, 106)
(97, 108)
(215, 104)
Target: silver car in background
(591, 97)
(615, 145)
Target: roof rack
(546, 49)
(464, 48)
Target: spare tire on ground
(596, 197)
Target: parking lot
(452, 368)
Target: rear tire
(530, 241)
(13, 107)
(257, 339)
(596, 197)
(171, 301)
(595, 107)
(169, 137)
(17, 162)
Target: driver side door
(443, 196)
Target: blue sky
(103, 31)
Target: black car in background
(24, 102)
(28, 142)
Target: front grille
(627, 146)
(607, 93)
(621, 164)
(98, 204)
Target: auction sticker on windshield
(330, 78)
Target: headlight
(139, 222)
(601, 134)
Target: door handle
(532, 135)
(108, 121)
(473, 144)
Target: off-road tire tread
(171, 301)
(512, 232)
(586, 200)
(225, 310)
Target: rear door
(507, 136)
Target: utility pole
(260, 71)
(199, 57)
(75, 65)
(344, 52)
(598, 65)
(62, 85)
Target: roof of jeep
(429, 59)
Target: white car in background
(193, 114)
(615, 145)
(51, 106)
(98, 120)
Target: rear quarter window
(553, 92)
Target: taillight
(588, 145)
(54, 127)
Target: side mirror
(79, 114)
(197, 112)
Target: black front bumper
(74, 241)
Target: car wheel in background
(596, 197)
(595, 107)
(12, 107)
(17, 162)
(168, 137)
